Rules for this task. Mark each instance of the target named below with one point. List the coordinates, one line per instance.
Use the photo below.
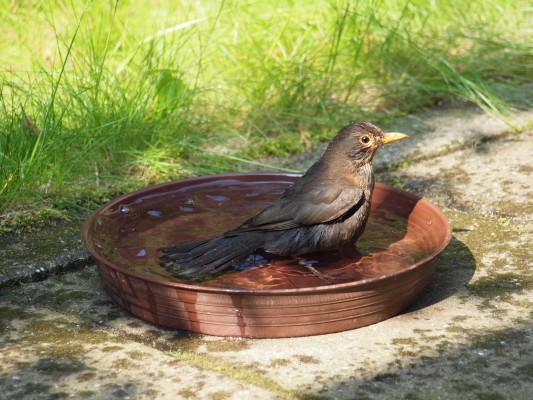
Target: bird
(326, 209)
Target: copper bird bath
(280, 297)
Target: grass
(99, 98)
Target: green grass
(99, 98)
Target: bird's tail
(207, 257)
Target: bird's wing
(326, 204)
(303, 205)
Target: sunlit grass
(100, 96)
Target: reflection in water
(141, 253)
(252, 261)
(130, 234)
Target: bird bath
(280, 297)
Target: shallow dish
(283, 297)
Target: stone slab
(469, 336)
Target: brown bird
(326, 209)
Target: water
(129, 234)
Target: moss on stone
(227, 345)
(111, 349)
(187, 393)
(409, 341)
(30, 389)
(87, 376)
(305, 359)
(407, 352)
(28, 221)
(62, 296)
(113, 314)
(237, 372)
(505, 207)
(183, 342)
(8, 314)
(456, 329)
(460, 318)
(279, 362)
(490, 396)
(220, 395)
(500, 284)
(63, 338)
(527, 369)
(527, 169)
(122, 363)
(136, 355)
(59, 365)
(86, 394)
(493, 248)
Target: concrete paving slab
(432, 133)
(37, 255)
(63, 337)
(469, 336)
(493, 178)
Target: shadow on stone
(500, 285)
(59, 366)
(59, 377)
(475, 370)
(36, 380)
(455, 269)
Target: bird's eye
(365, 139)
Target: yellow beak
(392, 136)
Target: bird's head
(360, 140)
